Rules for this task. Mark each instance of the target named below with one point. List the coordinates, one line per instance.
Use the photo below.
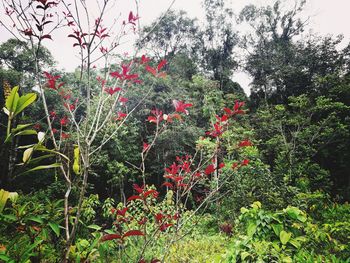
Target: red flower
(52, 114)
(146, 147)
(121, 116)
(181, 106)
(245, 162)
(64, 135)
(234, 166)
(37, 126)
(210, 169)
(64, 121)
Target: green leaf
(244, 255)
(42, 167)
(26, 132)
(36, 219)
(27, 253)
(55, 228)
(95, 227)
(277, 228)
(251, 229)
(44, 149)
(295, 243)
(24, 102)
(38, 159)
(4, 195)
(285, 237)
(12, 100)
(20, 127)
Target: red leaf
(151, 70)
(245, 143)
(138, 188)
(180, 106)
(161, 64)
(45, 36)
(228, 111)
(110, 237)
(152, 191)
(133, 233)
(167, 184)
(122, 211)
(134, 197)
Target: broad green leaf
(25, 132)
(25, 146)
(36, 219)
(24, 101)
(285, 237)
(44, 149)
(20, 127)
(277, 228)
(301, 218)
(42, 167)
(10, 217)
(4, 195)
(251, 229)
(95, 227)
(27, 253)
(55, 228)
(244, 255)
(27, 154)
(295, 243)
(38, 159)
(12, 100)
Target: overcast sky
(326, 17)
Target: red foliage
(180, 106)
(133, 233)
(245, 143)
(210, 169)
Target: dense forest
(158, 155)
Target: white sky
(327, 17)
